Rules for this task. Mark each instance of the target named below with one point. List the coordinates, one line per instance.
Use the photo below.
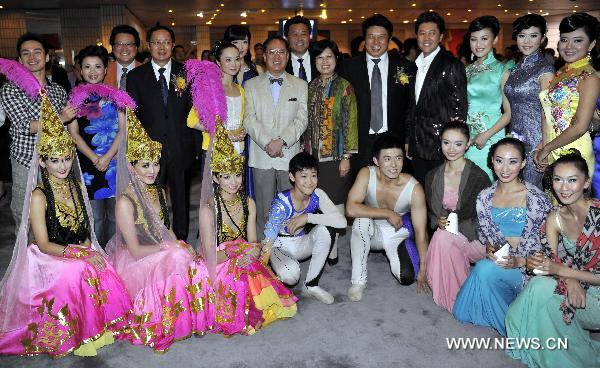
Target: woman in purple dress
(524, 83)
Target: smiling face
(429, 37)
(390, 161)
(242, 45)
(58, 167)
(230, 61)
(569, 183)
(160, 46)
(92, 70)
(229, 183)
(33, 56)
(299, 38)
(305, 181)
(376, 41)
(529, 40)
(454, 144)
(124, 48)
(326, 63)
(482, 42)
(147, 171)
(574, 45)
(507, 163)
(276, 56)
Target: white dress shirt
(383, 69)
(275, 87)
(120, 69)
(423, 64)
(305, 61)
(167, 73)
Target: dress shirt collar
(425, 61)
(269, 76)
(129, 66)
(305, 57)
(383, 58)
(167, 74)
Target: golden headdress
(225, 159)
(54, 139)
(139, 144)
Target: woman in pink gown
(59, 294)
(168, 283)
(452, 188)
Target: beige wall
(12, 25)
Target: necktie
(164, 90)
(376, 107)
(278, 80)
(123, 80)
(302, 71)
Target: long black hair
(220, 205)
(240, 33)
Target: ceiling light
(516, 14)
(244, 22)
(350, 10)
(343, 22)
(506, 10)
(1, 6)
(391, 10)
(574, 11)
(222, 4)
(323, 14)
(322, 5)
(170, 10)
(414, 20)
(276, 22)
(262, 10)
(405, 21)
(541, 11)
(413, 4)
(465, 21)
(201, 15)
(545, 14)
(243, 14)
(362, 17)
(469, 10)
(209, 22)
(172, 23)
(430, 10)
(576, 6)
(499, 5)
(218, 10)
(448, 13)
(350, 20)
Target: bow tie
(278, 80)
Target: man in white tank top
(379, 198)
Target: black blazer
(165, 125)
(313, 69)
(398, 95)
(443, 96)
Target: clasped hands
(505, 262)
(275, 148)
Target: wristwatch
(346, 156)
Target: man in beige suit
(275, 117)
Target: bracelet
(72, 251)
(345, 156)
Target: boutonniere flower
(401, 77)
(179, 83)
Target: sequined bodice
(228, 233)
(521, 90)
(563, 95)
(72, 227)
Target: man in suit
(163, 111)
(439, 94)
(297, 31)
(125, 41)
(381, 82)
(275, 116)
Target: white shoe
(319, 293)
(355, 292)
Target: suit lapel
(431, 72)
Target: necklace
(232, 202)
(151, 192)
(59, 186)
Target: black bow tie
(278, 80)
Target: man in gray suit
(275, 117)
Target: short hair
(274, 38)
(159, 27)
(178, 47)
(219, 46)
(124, 28)
(411, 43)
(458, 125)
(317, 48)
(527, 21)
(31, 37)
(386, 141)
(379, 21)
(486, 21)
(94, 51)
(303, 161)
(298, 19)
(141, 56)
(576, 21)
(430, 17)
(258, 45)
(507, 141)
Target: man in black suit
(382, 83)
(300, 64)
(439, 94)
(162, 110)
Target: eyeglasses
(277, 52)
(124, 44)
(161, 42)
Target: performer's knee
(360, 226)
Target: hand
(186, 246)
(541, 159)
(249, 257)
(490, 250)
(237, 135)
(406, 147)
(296, 223)
(200, 127)
(344, 167)
(480, 140)
(442, 222)
(538, 261)
(422, 285)
(272, 150)
(395, 220)
(97, 261)
(68, 113)
(102, 163)
(511, 262)
(575, 293)
(265, 253)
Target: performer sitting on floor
(248, 295)
(168, 283)
(285, 232)
(59, 294)
(380, 200)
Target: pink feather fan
(21, 77)
(103, 91)
(208, 95)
